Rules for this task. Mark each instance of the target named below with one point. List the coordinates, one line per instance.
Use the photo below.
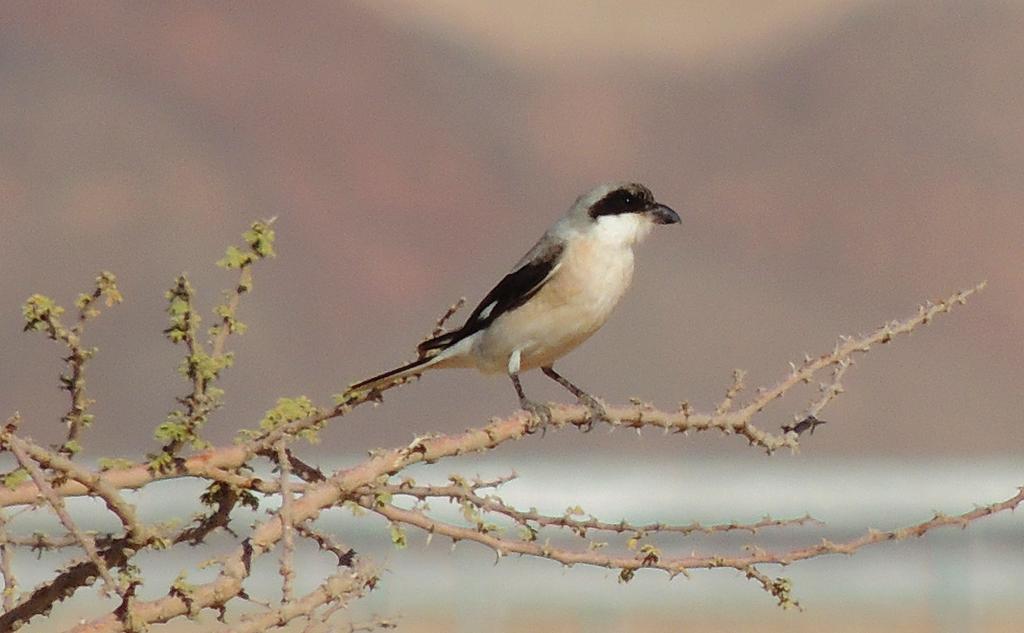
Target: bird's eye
(628, 200)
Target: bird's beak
(660, 214)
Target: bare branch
(848, 346)
(829, 390)
(738, 375)
(674, 565)
(287, 566)
(339, 588)
(99, 563)
(7, 566)
(346, 555)
(95, 484)
(41, 599)
(17, 446)
(449, 313)
(581, 526)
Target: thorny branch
(650, 557)
(338, 589)
(373, 485)
(531, 520)
(200, 367)
(7, 564)
(287, 567)
(43, 315)
(76, 575)
(16, 446)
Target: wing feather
(512, 291)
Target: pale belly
(566, 312)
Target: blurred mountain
(829, 175)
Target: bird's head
(622, 211)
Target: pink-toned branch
(370, 484)
(504, 546)
(57, 505)
(491, 503)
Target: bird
(559, 294)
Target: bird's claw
(596, 410)
(540, 415)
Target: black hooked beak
(661, 214)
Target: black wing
(512, 291)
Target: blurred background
(835, 163)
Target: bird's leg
(597, 410)
(541, 412)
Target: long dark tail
(431, 351)
(405, 370)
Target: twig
(737, 386)
(184, 322)
(95, 484)
(57, 504)
(339, 588)
(287, 565)
(228, 312)
(346, 555)
(581, 526)
(780, 588)
(6, 565)
(449, 313)
(654, 560)
(244, 482)
(848, 346)
(31, 456)
(41, 599)
(831, 389)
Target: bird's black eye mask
(622, 201)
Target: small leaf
(40, 312)
(15, 478)
(527, 533)
(106, 285)
(114, 463)
(398, 536)
(234, 258)
(260, 238)
(288, 410)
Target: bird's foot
(596, 410)
(541, 414)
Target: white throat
(625, 229)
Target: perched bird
(560, 293)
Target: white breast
(594, 274)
